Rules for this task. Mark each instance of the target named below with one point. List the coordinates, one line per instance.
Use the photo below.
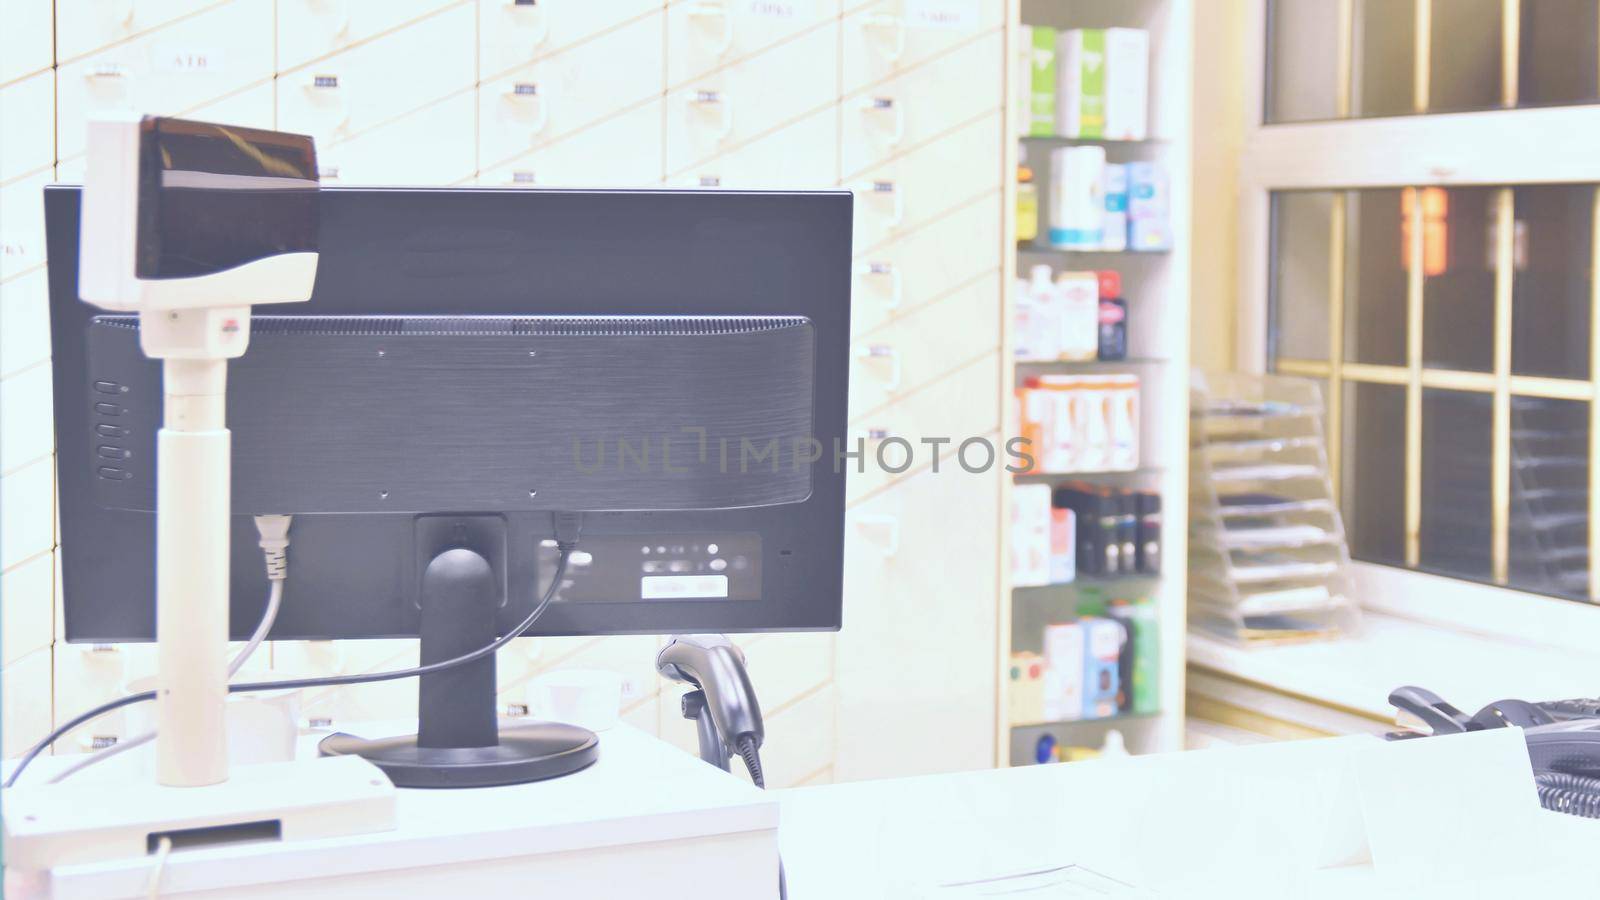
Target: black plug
(568, 528)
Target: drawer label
(952, 15)
(181, 59)
(785, 10)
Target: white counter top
(1298, 819)
(642, 790)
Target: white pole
(192, 555)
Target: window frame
(1500, 148)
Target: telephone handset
(1563, 740)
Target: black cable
(750, 752)
(564, 549)
(1568, 792)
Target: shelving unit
(1156, 287)
(1268, 561)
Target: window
(1333, 59)
(1458, 398)
(1436, 274)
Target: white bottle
(1078, 301)
(1077, 200)
(1044, 315)
(1114, 746)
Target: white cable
(274, 531)
(152, 887)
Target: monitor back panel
(419, 256)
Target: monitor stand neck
(460, 596)
(459, 742)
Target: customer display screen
(214, 197)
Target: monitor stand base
(529, 752)
(459, 742)
(86, 819)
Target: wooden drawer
(87, 675)
(363, 87)
(25, 704)
(704, 35)
(27, 614)
(795, 157)
(725, 109)
(431, 146)
(568, 91)
(27, 425)
(631, 656)
(167, 72)
(84, 26)
(897, 197)
(27, 125)
(802, 739)
(22, 225)
(931, 340)
(27, 44)
(24, 322)
(921, 565)
(311, 29)
(927, 263)
(886, 37)
(512, 34)
(252, 107)
(622, 151)
(785, 667)
(911, 108)
(353, 703)
(962, 404)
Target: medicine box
(1030, 535)
(1103, 83)
(1102, 680)
(1042, 80)
(1064, 662)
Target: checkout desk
(1451, 816)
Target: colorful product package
(1063, 545)
(1102, 680)
(1081, 83)
(1114, 222)
(1042, 79)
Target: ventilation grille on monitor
(609, 326)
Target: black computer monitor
(450, 362)
(478, 375)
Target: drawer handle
(707, 181)
(886, 525)
(339, 10)
(529, 9)
(884, 352)
(525, 94)
(888, 105)
(327, 173)
(120, 12)
(328, 90)
(882, 187)
(106, 72)
(521, 178)
(708, 10)
(897, 25)
(724, 105)
(884, 269)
